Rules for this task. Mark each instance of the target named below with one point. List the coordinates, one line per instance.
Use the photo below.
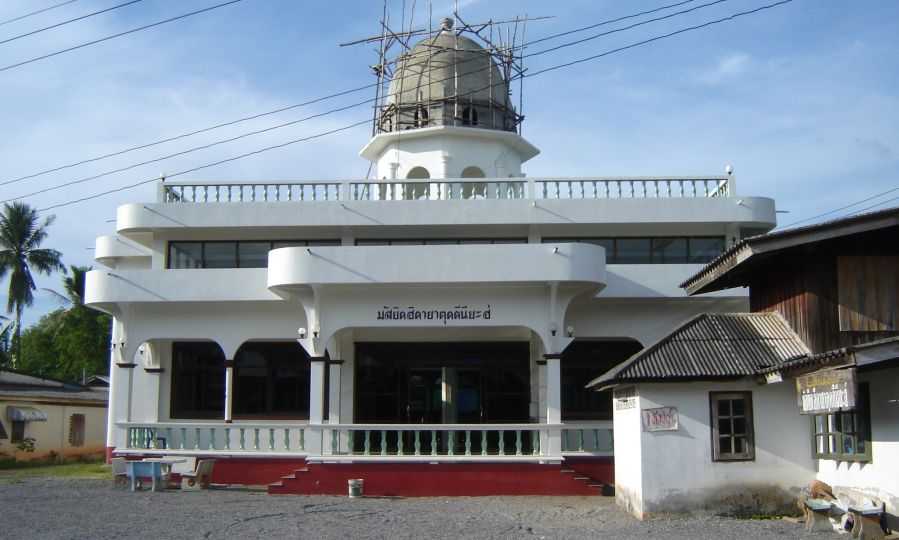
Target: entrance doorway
(442, 383)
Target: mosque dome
(448, 79)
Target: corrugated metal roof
(712, 346)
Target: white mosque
(430, 329)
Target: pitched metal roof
(712, 346)
(730, 268)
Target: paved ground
(65, 508)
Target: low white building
(446, 313)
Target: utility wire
(610, 21)
(57, 25)
(20, 17)
(323, 98)
(206, 166)
(622, 29)
(845, 207)
(107, 38)
(657, 38)
(262, 150)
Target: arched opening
(469, 116)
(474, 190)
(418, 172)
(198, 380)
(416, 190)
(421, 117)
(271, 380)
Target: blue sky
(801, 99)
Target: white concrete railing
(448, 189)
(368, 441)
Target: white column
(114, 394)
(334, 391)
(317, 367)
(554, 402)
(229, 389)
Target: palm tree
(73, 285)
(21, 234)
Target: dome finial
(446, 24)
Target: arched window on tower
(473, 190)
(469, 116)
(421, 117)
(415, 190)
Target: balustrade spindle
(417, 444)
(286, 439)
(399, 443)
(350, 441)
(517, 442)
(535, 442)
(168, 438)
(212, 438)
(580, 440)
(271, 439)
(451, 443)
(433, 442)
(335, 443)
(255, 438)
(197, 439)
(242, 439)
(502, 442)
(183, 438)
(302, 440)
(366, 444)
(227, 438)
(467, 442)
(595, 440)
(484, 443)
(383, 442)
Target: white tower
(447, 114)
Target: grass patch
(76, 469)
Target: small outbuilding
(42, 417)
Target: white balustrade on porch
(448, 189)
(369, 441)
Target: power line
(323, 98)
(20, 17)
(107, 38)
(610, 21)
(57, 25)
(552, 68)
(844, 208)
(622, 29)
(657, 38)
(206, 166)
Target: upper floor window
(436, 241)
(231, 254)
(655, 250)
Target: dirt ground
(80, 508)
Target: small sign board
(659, 419)
(826, 391)
(625, 398)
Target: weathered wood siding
(803, 285)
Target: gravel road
(67, 508)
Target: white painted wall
(880, 476)
(678, 474)
(628, 457)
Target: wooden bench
(199, 478)
(866, 522)
(817, 515)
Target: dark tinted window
(198, 380)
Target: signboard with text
(659, 419)
(826, 391)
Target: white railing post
(554, 403)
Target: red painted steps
(435, 480)
(600, 487)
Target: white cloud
(729, 67)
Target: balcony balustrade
(449, 189)
(361, 442)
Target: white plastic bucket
(355, 487)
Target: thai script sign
(625, 397)
(412, 313)
(660, 419)
(826, 391)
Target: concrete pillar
(115, 382)
(317, 367)
(229, 390)
(554, 401)
(334, 382)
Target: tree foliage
(68, 343)
(21, 234)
